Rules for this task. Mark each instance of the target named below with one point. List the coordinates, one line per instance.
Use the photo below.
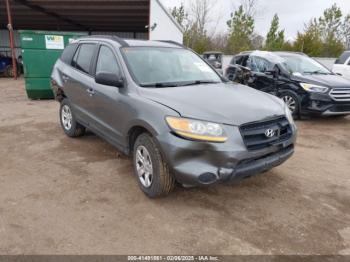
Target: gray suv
(164, 105)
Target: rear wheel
(292, 101)
(68, 122)
(152, 173)
(9, 71)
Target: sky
(293, 14)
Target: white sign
(27, 39)
(54, 42)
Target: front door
(262, 77)
(108, 100)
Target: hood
(231, 104)
(332, 81)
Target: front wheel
(292, 101)
(152, 173)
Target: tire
(9, 71)
(147, 159)
(68, 122)
(292, 100)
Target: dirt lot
(78, 196)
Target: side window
(68, 53)
(343, 58)
(82, 58)
(107, 62)
(244, 60)
(237, 60)
(258, 64)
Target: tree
(257, 41)
(249, 6)
(219, 42)
(346, 31)
(241, 29)
(180, 15)
(275, 38)
(310, 42)
(330, 25)
(195, 23)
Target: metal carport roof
(78, 15)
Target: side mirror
(217, 65)
(245, 69)
(109, 79)
(274, 72)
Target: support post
(12, 42)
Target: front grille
(254, 134)
(340, 108)
(340, 94)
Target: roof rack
(172, 42)
(115, 38)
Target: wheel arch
(135, 130)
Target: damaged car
(305, 85)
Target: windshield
(163, 67)
(300, 64)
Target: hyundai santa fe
(168, 108)
(306, 86)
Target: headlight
(197, 130)
(314, 88)
(289, 115)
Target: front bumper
(323, 104)
(198, 163)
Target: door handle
(90, 91)
(65, 78)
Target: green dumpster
(40, 51)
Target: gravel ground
(78, 196)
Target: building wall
(5, 39)
(166, 28)
(125, 35)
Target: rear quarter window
(343, 58)
(236, 60)
(83, 57)
(68, 53)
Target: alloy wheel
(66, 116)
(290, 102)
(144, 166)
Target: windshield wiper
(198, 82)
(316, 72)
(159, 85)
(177, 84)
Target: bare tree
(200, 10)
(250, 7)
(346, 31)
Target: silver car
(168, 108)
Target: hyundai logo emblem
(270, 133)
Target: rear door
(80, 82)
